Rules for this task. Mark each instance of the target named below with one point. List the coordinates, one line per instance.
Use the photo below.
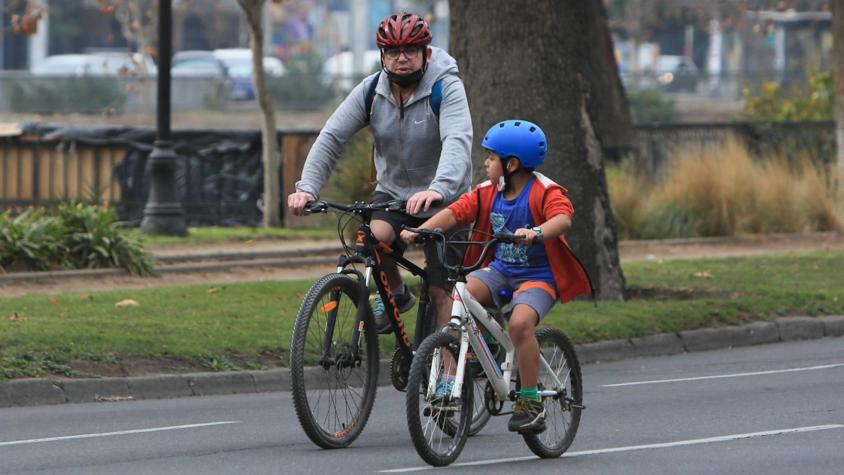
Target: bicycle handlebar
(358, 207)
(425, 235)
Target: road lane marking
(679, 443)
(109, 434)
(722, 376)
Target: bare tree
(838, 60)
(551, 63)
(137, 20)
(272, 206)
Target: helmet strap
(504, 181)
(407, 79)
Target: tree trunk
(551, 64)
(838, 64)
(269, 142)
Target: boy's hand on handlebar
(422, 201)
(409, 237)
(296, 202)
(528, 236)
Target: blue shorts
(537, 294)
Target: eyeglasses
(410, 52)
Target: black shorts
(437, 275)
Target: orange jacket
(547, 199)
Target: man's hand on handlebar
(422, 201)
(296, 202)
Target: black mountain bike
(334, 359)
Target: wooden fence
(46, 169)
(34, 172)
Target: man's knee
(383, 231)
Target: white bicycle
(439, 427)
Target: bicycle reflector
(329, 306)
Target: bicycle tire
(347, 393)
(480, 416)
(436, 448)
(562, 417)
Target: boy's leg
(531, 303)
(523, 322)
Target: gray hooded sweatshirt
(415, 151)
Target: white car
(95, 64)
(238, 62)
(338, 70)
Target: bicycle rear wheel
(333, 396)
(562, 413)
(438, 429)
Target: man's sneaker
(405, 301)
(528, 417)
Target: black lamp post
(163, 213)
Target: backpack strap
(436, 97)
(369, 96)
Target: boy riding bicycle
(538, 270)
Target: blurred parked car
(94, 64)
(198, 64)
(238, 62)
(338, 70)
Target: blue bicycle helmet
(517, 138)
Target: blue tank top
(518, 262)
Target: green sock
(529, 393)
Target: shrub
(31, 240)
(87, 94)
(722, 191)
(82, 236)
(773, 103)
(95, 239)
(649, 106)
(301, 87)
(352, 179)
(628, 198)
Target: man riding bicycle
(422, 132)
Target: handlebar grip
(316, 207)
(508, 237)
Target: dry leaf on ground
(702, 275)
(15, 317)
(127, 303)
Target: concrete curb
(35, 392)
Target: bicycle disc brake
(400, 369)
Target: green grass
(222, 234)
(248, 325)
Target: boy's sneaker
(405, 301)
(528, 417)
(442, 397)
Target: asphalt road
(771, 409)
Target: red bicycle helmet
(403, 29)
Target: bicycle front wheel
(438, 427)
(333, 384)
(562, 412)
